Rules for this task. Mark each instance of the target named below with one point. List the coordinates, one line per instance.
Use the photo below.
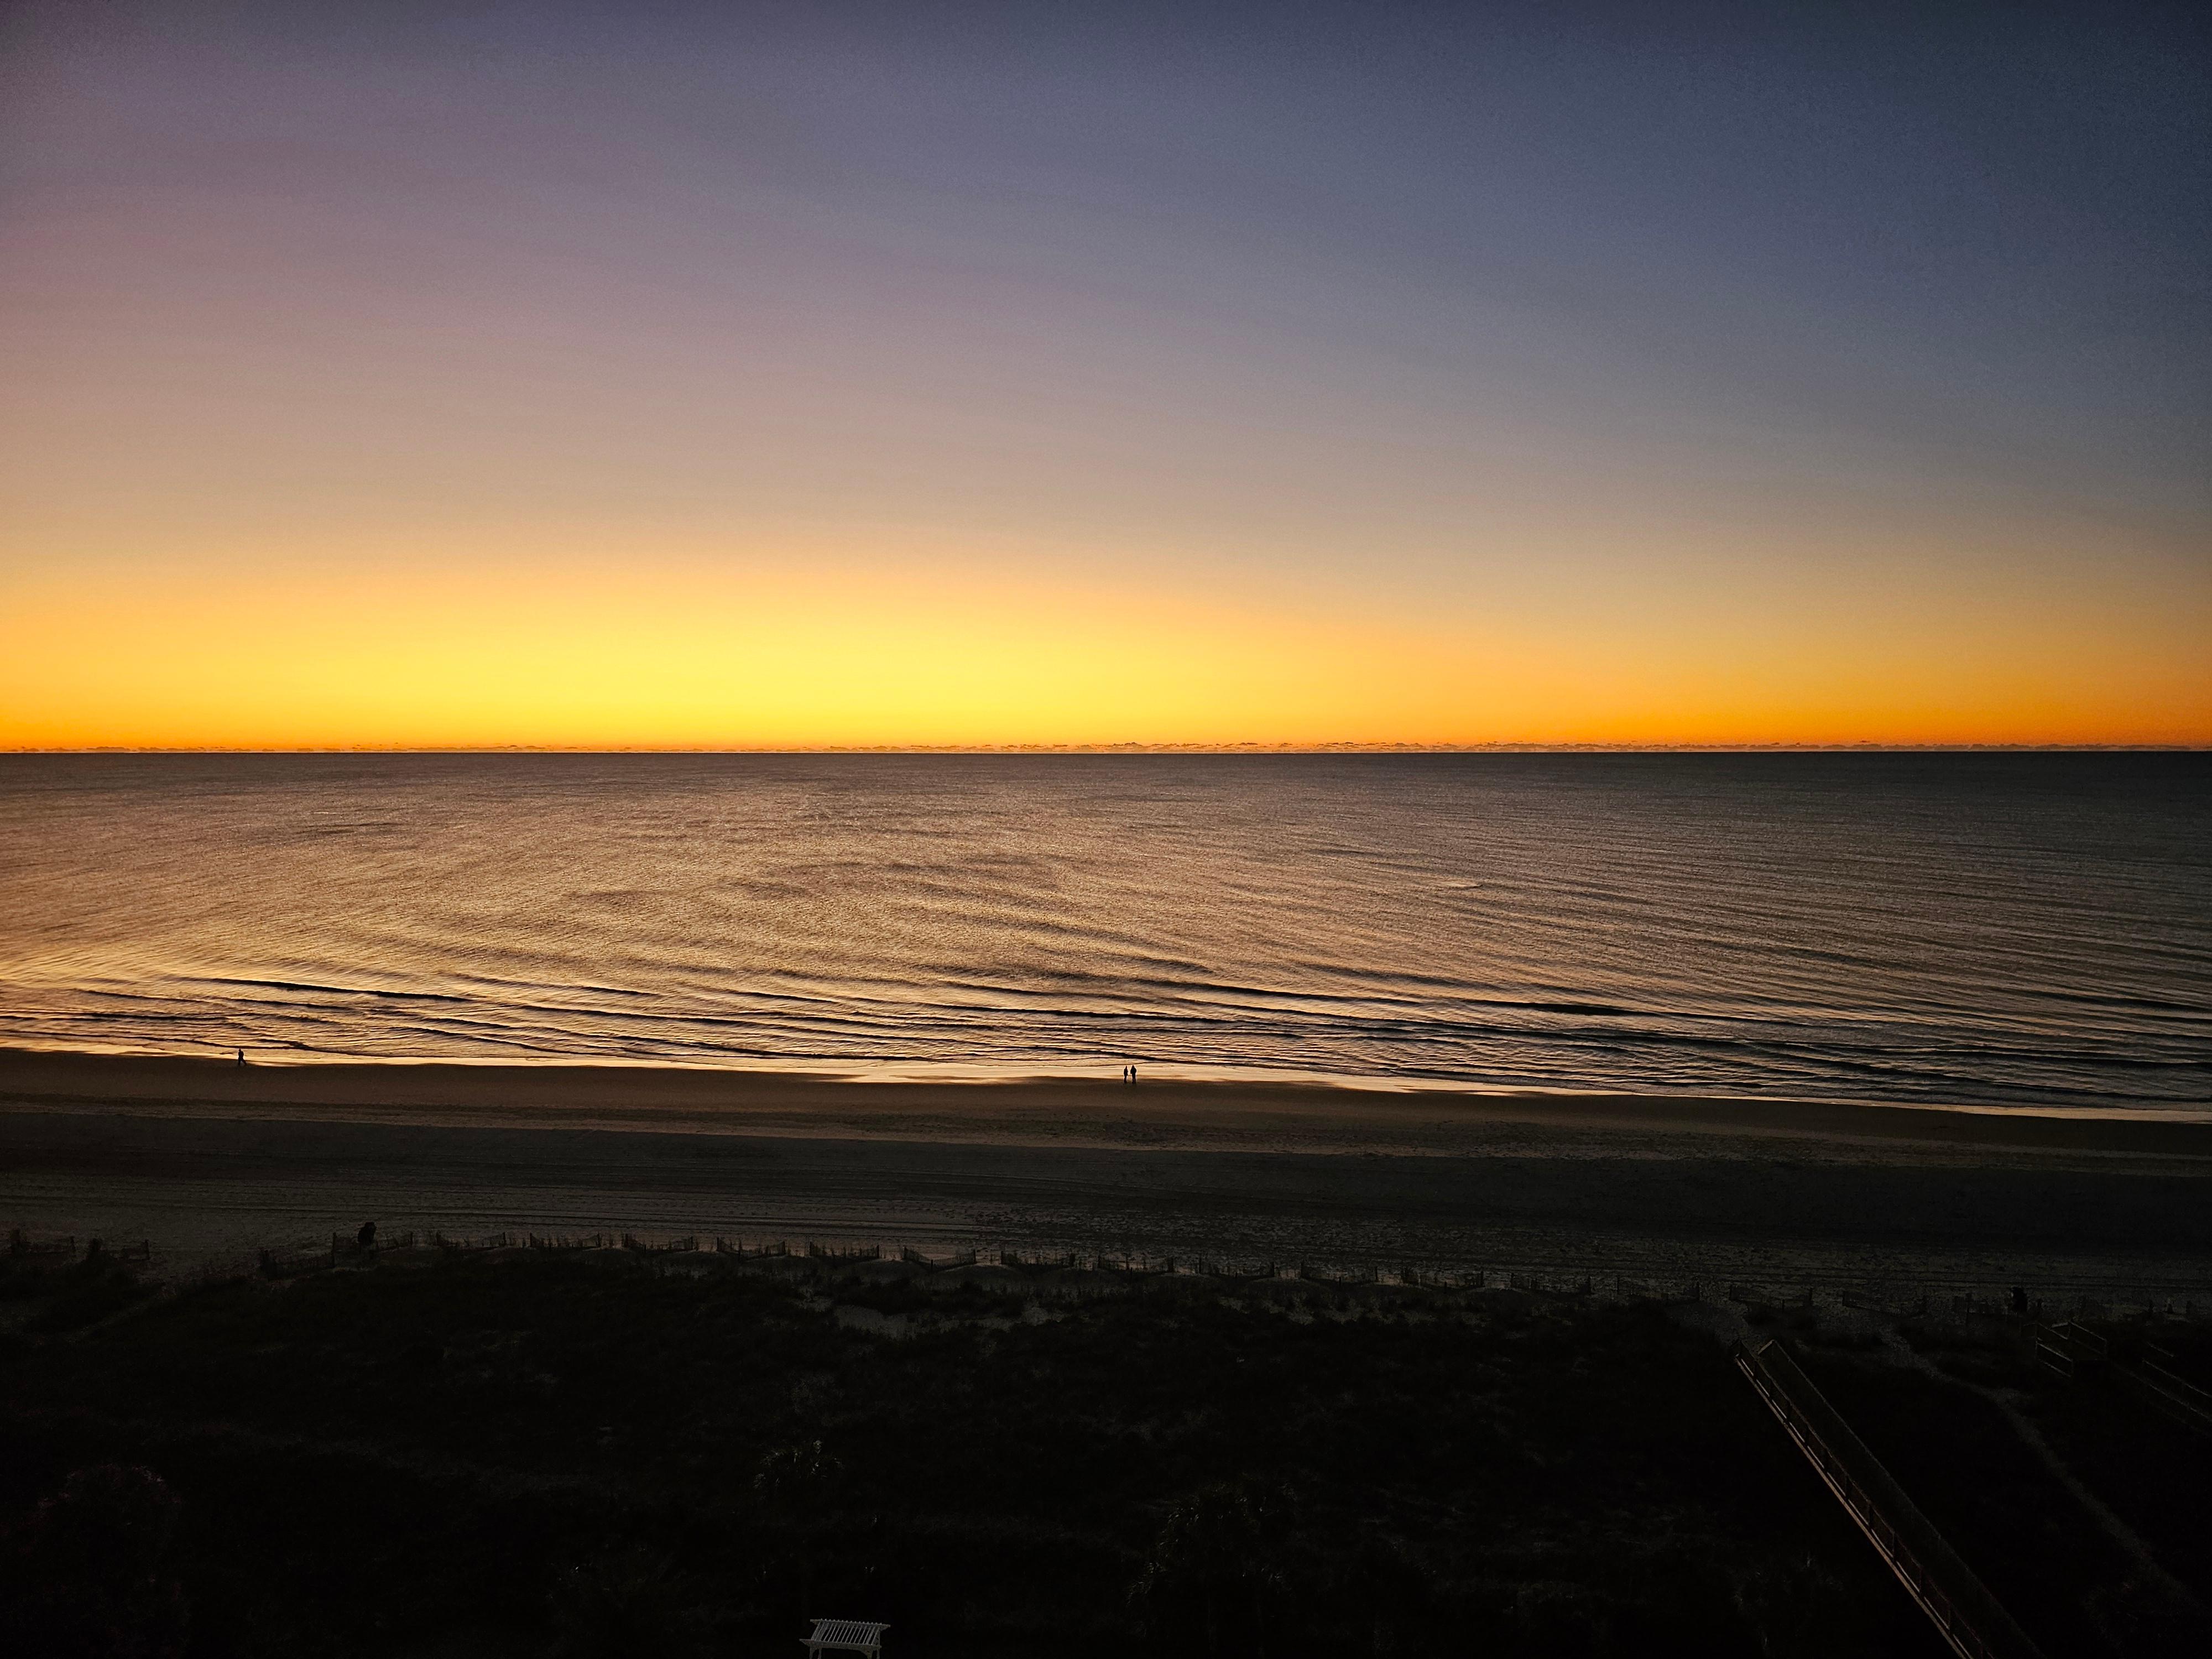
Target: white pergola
(847, 1636)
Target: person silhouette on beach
(366, 1239)
(241, 1059)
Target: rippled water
(2006, 929)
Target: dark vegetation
(65, 1296)
(2070, 1584)
(2131, 1456)
(553, 1455)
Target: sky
(839, 373)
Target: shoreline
(949, 1074)
(1155, 1114)
(212, 1162)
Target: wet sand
(207, 1158)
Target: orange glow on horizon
(682, 654)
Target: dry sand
(205, 1157)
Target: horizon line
(1133, 748)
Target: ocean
(2001, 929)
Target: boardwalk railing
(2066, 1349)
(2158, 1366)
(1961, 1608)
(2167, 1391)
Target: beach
(210, 1160)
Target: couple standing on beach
(1129, 1074)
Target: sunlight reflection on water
(2006, 929)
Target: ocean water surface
(2029, 930)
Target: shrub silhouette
(77, 1295)
(630, 1601)
(1218, 1569)
(85, 1576)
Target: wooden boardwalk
(1960, 1606)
